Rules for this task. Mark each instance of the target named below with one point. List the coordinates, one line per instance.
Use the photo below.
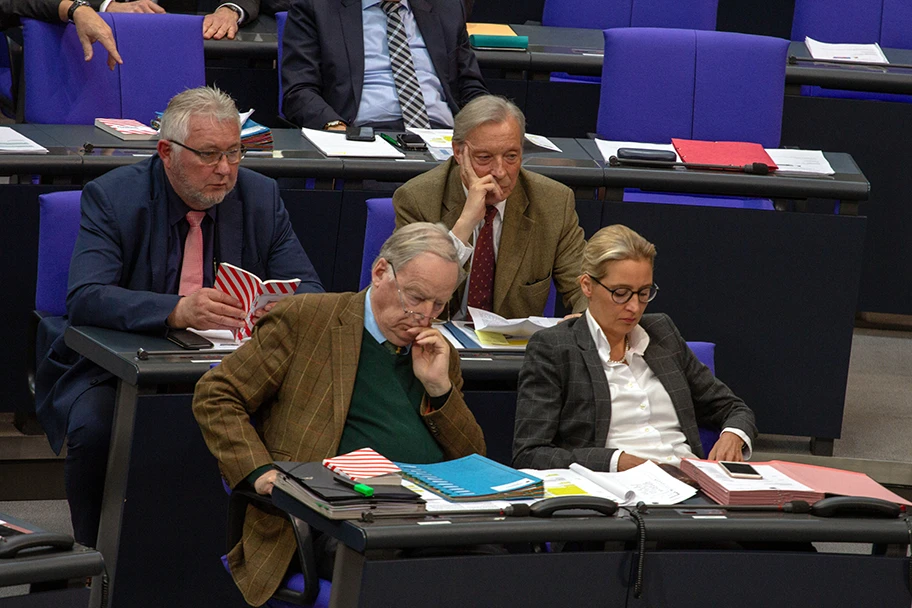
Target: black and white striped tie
(414, 112)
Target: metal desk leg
(108, 542)
(346, 583)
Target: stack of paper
(646, 482)
(13, 142)
(867, 53)
(775, 488)
(333, 143)
(319, 488)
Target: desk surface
(663, 525)
(40, 565)
(885, 79)
(578, 165)
(116, 351)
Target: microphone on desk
(793, 506)
(833, 506)
(89, 146)
(752, 168)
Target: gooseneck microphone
(752, 168)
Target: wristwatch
(76, 4)
(333, 123)
(236, 10)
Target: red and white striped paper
(361, 464)
(252, 292)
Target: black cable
(641, 551)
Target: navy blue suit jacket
(118, 270)
(323, 58)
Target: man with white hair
(150, 240)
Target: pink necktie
(192, 268)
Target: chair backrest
(888, 22)
(281, 17)
(604, 14)
(381, 221)
(163, 55)
(706, 353)
(693, 84)
(59, 225)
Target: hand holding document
(866, 53)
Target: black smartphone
(410, 141)
(359, 133)
(646, 154)
(740, 470)
(188, 340)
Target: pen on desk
(360, 488)
(390, 140)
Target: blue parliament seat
(692, 84)
(606, 14)
(163, 55)
(281, 17)
(888, 22)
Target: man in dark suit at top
(517, 230)
(150, 238)
(385, 64)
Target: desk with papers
(788, 358)
(685, 577)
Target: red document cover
(722, 152)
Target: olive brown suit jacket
(540, 241)
(297, 373)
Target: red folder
(737, 153)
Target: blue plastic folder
(473, 477)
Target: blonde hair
(614, 243)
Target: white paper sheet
(443, 138)
(13, 142)
(334, 144)
(868, 53)
(488, 321)
(646, 482)
(222, 339)
(800, 161)
(610, 148)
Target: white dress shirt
(643, 419)
(465, 252)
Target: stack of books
(255, 136)
(336, 497)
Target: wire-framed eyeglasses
(622, 295)
(214, 157)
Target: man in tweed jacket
(563, 409)
(300, 374)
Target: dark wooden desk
(45, 565)
(605, 578)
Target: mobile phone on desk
(634, 154)
(740, 470)
(188, 340)
(359, 133)
(411, 142)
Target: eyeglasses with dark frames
(409, 301)
(622, 295)
(214, 157)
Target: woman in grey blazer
(615, 387)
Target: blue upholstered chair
(692, 84)
(58, 214)
(381, 222)
(280, 17)
(605, 14)
(78, 92)
(888, 22)
(706, 353)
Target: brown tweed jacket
(541, 237)
(297, 373)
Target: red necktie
(481, 281)
(191, 279)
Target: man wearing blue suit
(150, 239)
(336, 67)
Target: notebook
(473, 477)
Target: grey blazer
(563, 408)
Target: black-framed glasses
(214, 157)
(622, 295)
(410, 301)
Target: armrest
(237, 509)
